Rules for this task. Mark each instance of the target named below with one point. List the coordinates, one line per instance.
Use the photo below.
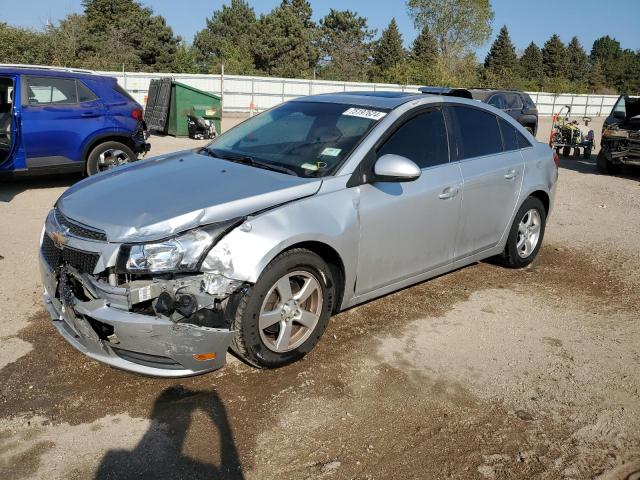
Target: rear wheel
(587, 153)
(108, 155)
(282, 317)
(566, 151)
(526, 234)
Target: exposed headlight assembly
(182, 253)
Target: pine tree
(502, 55)
(424, 48)
(577, 60)
(554, 57)
(124, 31)
(345, 45)
(228, 38)
(596, 78)
(388, 50)
(285, 46)
(531, 62)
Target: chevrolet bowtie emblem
(59, 239)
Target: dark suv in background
(515, 104)
(54, 119)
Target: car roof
(47, 72)
(387, 100)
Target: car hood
(158, 197)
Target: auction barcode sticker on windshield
(364, 113)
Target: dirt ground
(483, 373)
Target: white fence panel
(266, 92)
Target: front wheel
(604, 165)
(282, 317)
(108, 155)
(525, 236)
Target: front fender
(329, 217)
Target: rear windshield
(308, 138)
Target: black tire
(511, 258)
(604, 166)
(530, 130)
(248, 343)
(566, 151)
(586, 154)
(93, 160)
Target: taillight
(556, 159)
(136, 113)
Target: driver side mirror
(395, 168)
(619, 114)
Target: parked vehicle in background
(620, 143)
(64, 120)
(311, 207)
(515, 104)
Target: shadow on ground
(160, 452)
(10, 187)
(588, 166)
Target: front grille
(84, 262)
(148, 360)
(79, 230)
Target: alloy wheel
(112, 158)
(290, 311)
(528, 233)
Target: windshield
(303, 138)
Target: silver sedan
(314, 206)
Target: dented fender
(245, 252)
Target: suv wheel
(281, 318)
(605, 166)
(525, 236)
(108, 155)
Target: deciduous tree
(457, 25)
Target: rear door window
(513, 101)
(498, 101)
(51, 90)
(478, 132)
(422, 139)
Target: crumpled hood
(155, 198)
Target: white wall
(268, 91)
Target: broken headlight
(182, 253)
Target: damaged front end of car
(621, 138)
(160, 308)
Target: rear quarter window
(122, 92)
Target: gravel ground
(481, 373)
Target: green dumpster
(186, 100)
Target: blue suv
(62, 120)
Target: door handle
(449, 192)
(511, 174)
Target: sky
(527, 21)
